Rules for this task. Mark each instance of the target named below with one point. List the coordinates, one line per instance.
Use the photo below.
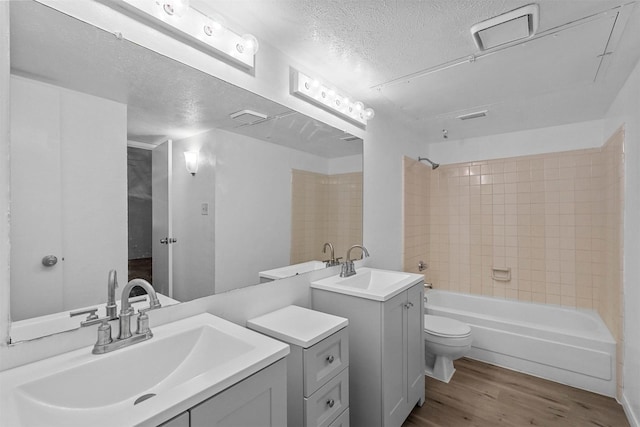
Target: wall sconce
(207, 33)
(314, 92)
(191, 161)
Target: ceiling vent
(248, 117)
(350, 138)
(509, 27)
(474, 115)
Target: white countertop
(292, 270)
(130, 368)
(297, 325)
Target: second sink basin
(369, 283)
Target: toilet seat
(445, 327)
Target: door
(36, 201)
(161, 248)
(415, 344)
(394, 370)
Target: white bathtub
(568, 346)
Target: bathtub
(569, 346)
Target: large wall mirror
(100, 127)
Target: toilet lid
(445, 327)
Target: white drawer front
(324, 406)
(324, 360)
(342, 420)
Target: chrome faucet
(111, 306)
(112, 284)
(105, 343)
(348, 269)
(333, 260)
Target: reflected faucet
(333, 260)
(348, 269)
(125, 338)
(112, 284)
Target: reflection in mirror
(99, 131)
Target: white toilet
(445, 341)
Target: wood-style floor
(482, 395)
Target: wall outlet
(204, 209)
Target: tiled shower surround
(554, 219)
(325, 208)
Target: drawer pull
(330, 358)
(330, 403)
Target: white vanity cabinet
(257, 401)
(386, 340)
(317, 365)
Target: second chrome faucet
(348, 269)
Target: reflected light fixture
(314, 92)
(191, 161)
(206, 32)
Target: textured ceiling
(165, 99)
(360, 44)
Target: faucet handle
(90, 311)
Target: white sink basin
(184, 363)
(370, 283)
(292, 270)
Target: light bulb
(191, 161)
(214, 24)
(369, 113)
(358, 106)
(176, 7)
(249, 44)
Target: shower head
(433, 165)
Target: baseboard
(632, 417)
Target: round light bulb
(369, 113)
(214, 24)
(176, 7)
(249, 44)
(358, 106)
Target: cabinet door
(181, 420)
(258, 401)
(415, 344)
(394, 371)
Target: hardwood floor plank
(483, 395)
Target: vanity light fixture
(207, 33)
(191, 161)
(314, 92)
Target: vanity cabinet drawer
(342, 420)
(324, 406)
(324, 360)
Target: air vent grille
(247, 117)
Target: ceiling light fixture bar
(326, 97)
(470, 59)
(206, 33)
(474, 115)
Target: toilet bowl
(445, 340)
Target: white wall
(5, 177)
(345, 165)
(626, 110)
(194, 253)
(248, 184)
(535, 141)
(388, 141)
